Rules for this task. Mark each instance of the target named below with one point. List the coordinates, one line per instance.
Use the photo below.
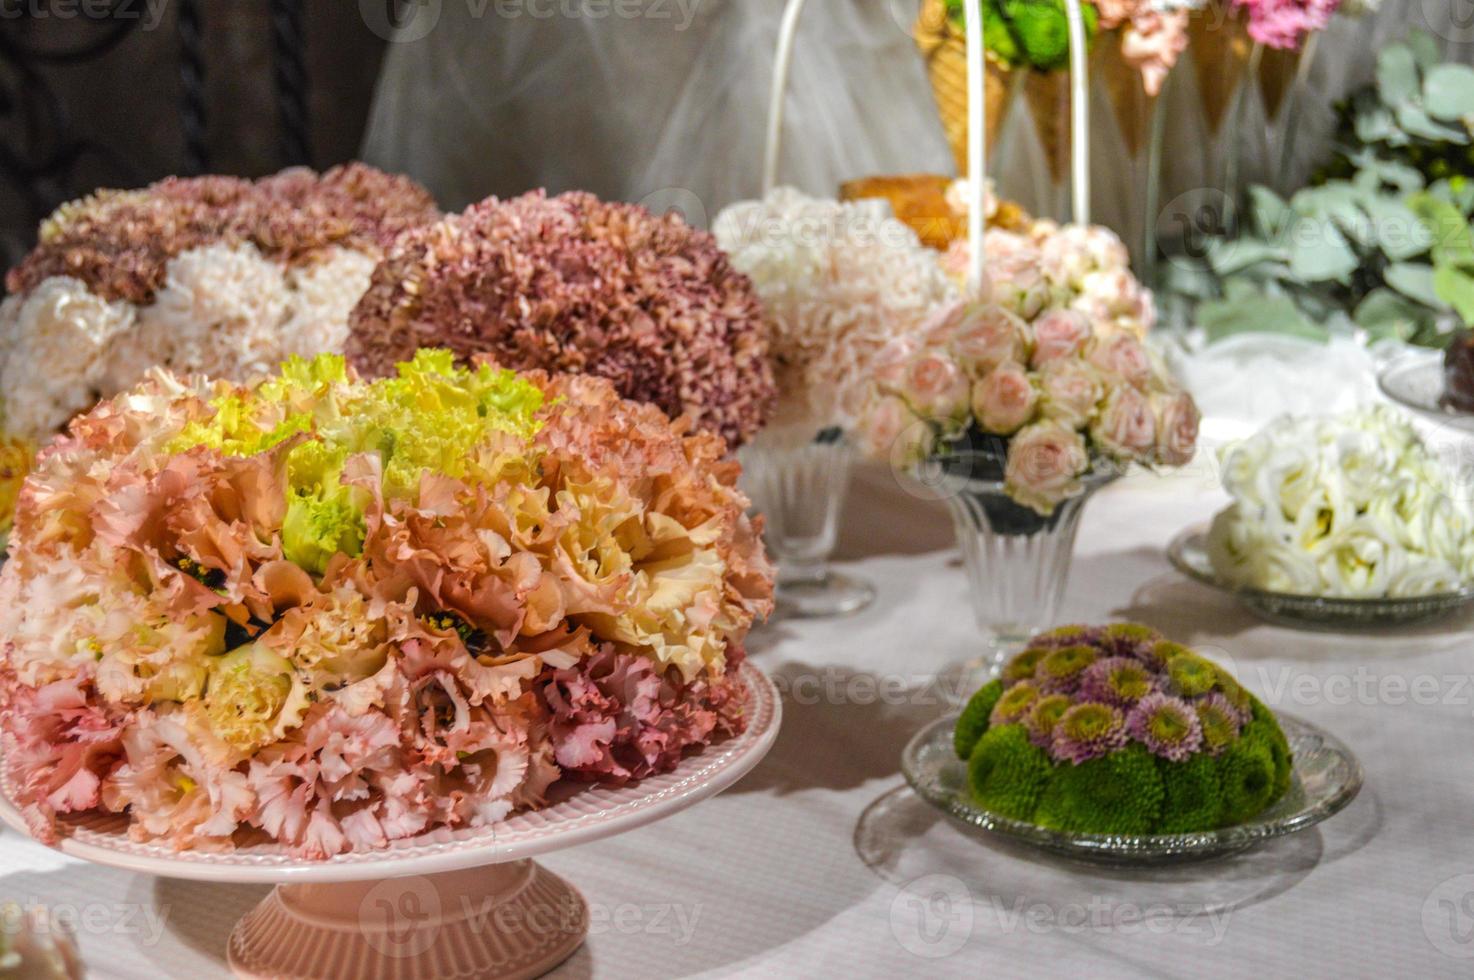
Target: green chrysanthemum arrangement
(1117, 730)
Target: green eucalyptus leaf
(1453, 243)
(1231, 256)
(1272, 214)
(1320, 252)
(1455, 286)
(1416, 121)
(1387, 314)
(1424, 48)
(1398, 232)
(1259, 314)
(1415, 281)
(1448, 94)
(1375, 124)
(1397, 74)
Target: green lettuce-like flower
(974, 720)
(1119, 793)
(324, 517)
(254, 697)
(1006, 772)
(435, 416)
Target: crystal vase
(1017, 561)
(799, 487)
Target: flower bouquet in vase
(1018, 403)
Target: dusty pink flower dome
(574, 284)
(119, 243)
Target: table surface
(822, 862)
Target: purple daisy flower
(1166, 725)
(1088, 731)
(1060, 671)
(1220, 721)
(1121, 681)
(1067, 636)
(1014, 704)
(1129, 640)
(1044, 716)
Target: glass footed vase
(1017, 560)
(799, 487)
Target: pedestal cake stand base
(504, 921)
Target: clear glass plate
(1326, 778)
(1189, 555)
(1416, 382)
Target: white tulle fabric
(667, 108)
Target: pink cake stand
(446, 904)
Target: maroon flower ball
(575, 284)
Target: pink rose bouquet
(339, 613)
(1040, 383)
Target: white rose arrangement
(1354, 506)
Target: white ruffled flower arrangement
(839, 281)
(1355, 506)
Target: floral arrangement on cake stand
(320, 630)
(1022, 398)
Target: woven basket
(946, 64)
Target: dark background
(92, 94)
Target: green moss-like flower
(1061, 670)
(1006, 773)
(1044, 716)
(1014, 703)
(1119, 793)
(1191, 797)
(1247, 778)
(1265, 728)
(1023, 665)
(975, 718)
(1190, 675)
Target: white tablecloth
(821, 863)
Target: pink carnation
(615, 718)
